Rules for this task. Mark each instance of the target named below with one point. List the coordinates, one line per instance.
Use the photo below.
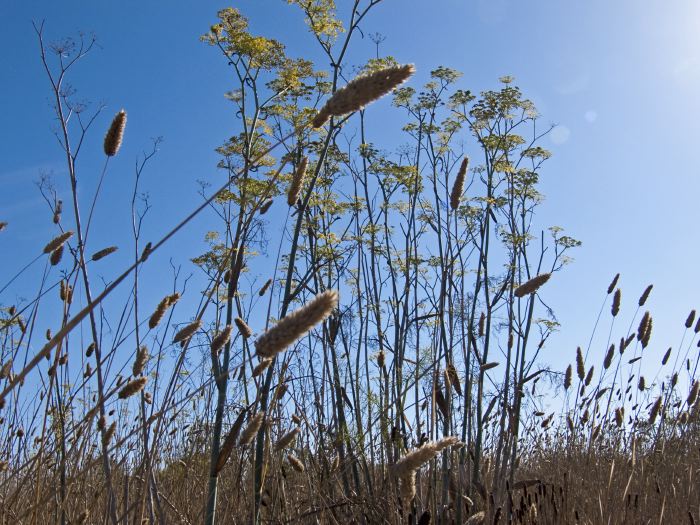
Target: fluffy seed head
(297, 182)
(532, 285)
(57, 242)
(261, 367)
(56, 255)
(616, 303)
(132, 387)
(109, 434)
(140, 360)
(243, 328)
(693, 395)
(296, 324)
(103, 253)
(609, 357)
(653, 414)
(458, 186)
(567, 377)
(296, 463)
(115, 134)
(412, 461)
(162, 307)
(645, 295)
(187, 332)
(580, 369)
(230, 441)
(265, 287)
(251, 430)
(362, 91)
(287, 439)
(220, 340)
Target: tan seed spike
(243, 327)
(141, 360)
(115, 134)
(296, 463)
(693, 395)
(261, 367)
(458, 186)
(56, 255)
(412, 461)
(532, 285)
(230, 441)
(296, 324)
(297, 182)
(162, 307)
(187, 332)
(362, 91)
(220, 340)
(103, 253)
(286, 440)
(254, 424)
(265, 287)
(645, 295)
(132, 387)
(615, 309)
(57, 242)
(613, 284)
(109, 434)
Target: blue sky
(619, 78)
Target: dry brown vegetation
(390, 368)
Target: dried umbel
(55, 243)
(220, 340)
(133, 387)
(140, 360)
(115, 134)
(296, 324)
(286, 440)
(165, 303)
(297, 182)
(532, 285)
(252, 429)
(103, 253)
(243, 328)
(184, 334)
(362, 91)
(458, 186)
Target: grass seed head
(115, 134)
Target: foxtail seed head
(115, 134)
(362, 91)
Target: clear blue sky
(620, 78)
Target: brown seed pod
(115, 134)
(616, 302)
(56, 256)
(57, 242)
(297, 182)
(243, 328)
(286, 440)
(458, 186)
(132, 387)
(265, 287)
(103, 253)
(184, 334)
(266, 206)
(229, 442)
(645, 295)
(220, 340)
(532, 285)
(295, 463)
(362, 91)
(140, 360)
(251, 430)
(296, 324)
